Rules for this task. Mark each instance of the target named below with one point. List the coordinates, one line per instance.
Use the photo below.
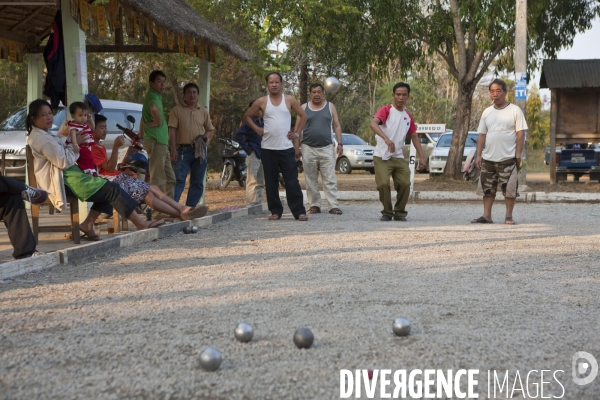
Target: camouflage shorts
(502, 173)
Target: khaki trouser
(255, 180)
(161, 171)
(398, 169)
(315, 159)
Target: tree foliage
(538, 121)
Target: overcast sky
(585, 46)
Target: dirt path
(360, 180)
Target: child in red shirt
(83, 124)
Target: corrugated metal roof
(558, 74)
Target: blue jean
(187, 162)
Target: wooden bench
(72, 201)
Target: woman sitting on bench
(141, 192)
(58, 174)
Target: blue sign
(521, 93)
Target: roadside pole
(411, 164)
(521, 74)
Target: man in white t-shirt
(391, 124)
(502, 132)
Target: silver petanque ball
(303, 338)
(194, 229)
(332, 84)
(210, 359)
(187, 230)
(243, 332)
(401, 326)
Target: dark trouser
(187, 162)
(273, 161)
(398, 169)
(14, 215)
(108, 196)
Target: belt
(185, 145)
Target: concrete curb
(82, 252)
(527, 197)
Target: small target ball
(401, 326)
(210, 359)
(194, 229)
(303, 338)
(243, 332)
(187, 230)
(332, 84)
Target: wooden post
(75, 69)
(204, 100)
(521, 67)
(553, 121)
(35, 74)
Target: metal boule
(210, 359)
(401, 326)
(303, 338)
(194, 229)
(332, 84)
(243, 332)
(187, 230)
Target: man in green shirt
(154, 130)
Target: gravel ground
(487, 297)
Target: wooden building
(575, 112)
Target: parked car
(357, 154)
(13, 134)
(427, 145)
(439, 156)
(577, 159)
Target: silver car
(357, 154)
(439, 156)
(12, 132)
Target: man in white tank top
(279, 152)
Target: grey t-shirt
(318, 131)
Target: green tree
(368, 35)
(538, 121)
(13, 87)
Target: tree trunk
(461, 128)
(303, 85)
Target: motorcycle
(135, 147)
(470, 172)
(234, 162)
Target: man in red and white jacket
(391, 124)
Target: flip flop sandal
(274, 217)
(90, 238)
(302, 217)
(195, 212)
(509, 221)
(314, 210)
(481, 220)
(335, 211)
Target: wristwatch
(297, 135)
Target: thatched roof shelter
(162, 25)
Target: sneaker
(399, 218)
(385, 218)
(34, 196)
